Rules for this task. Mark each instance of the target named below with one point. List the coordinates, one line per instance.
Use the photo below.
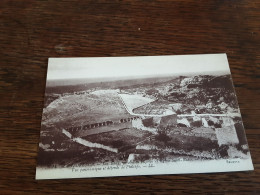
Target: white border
(180, 167)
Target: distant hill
(70, 86)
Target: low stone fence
(101, 124)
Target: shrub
(196, 123)
(178, 111)
(162, 137)
(148, 122)
(210, 123)
(217, 125)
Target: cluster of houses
(224, 127)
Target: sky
(111, 67)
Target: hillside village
(187, 118)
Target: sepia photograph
(146, 115)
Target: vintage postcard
(122, 116)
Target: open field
(122, 139)
(134, 101)
(76, 110)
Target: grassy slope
(75, 110)
(120, 138)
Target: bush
(178, 111)
(196, 123)
(148, 122)
(210, 123)
(162, 137)
(217, 125)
